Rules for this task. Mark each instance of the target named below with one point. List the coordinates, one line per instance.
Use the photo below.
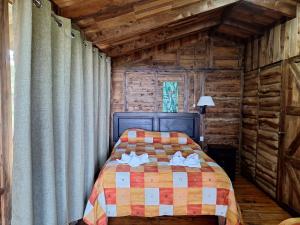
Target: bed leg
(221, 220)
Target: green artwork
(170, 96)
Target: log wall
(250, 123)
(202, 64)
(268, 127)
(261, 124)
(265, 58)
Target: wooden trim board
(5, 117)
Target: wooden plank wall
(289, 169)
(262, 101)
(269, 107)
(250, 123)
(279, 43)
(202, 64)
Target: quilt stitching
(155, 188)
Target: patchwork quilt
(157, 189)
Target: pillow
(142, 136)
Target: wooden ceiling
(120, 27)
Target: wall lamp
(203, 102)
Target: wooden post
(5, 117)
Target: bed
(156, 190)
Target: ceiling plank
(82, 9)
(131, 26)
(119, 27)
(254, 29)
(151, 39)
(106, 12)
(69, 3)
(286, 7)
(233, 31)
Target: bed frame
(162, 220)
(183, 122)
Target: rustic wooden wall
(261, 125)
(263, 103)
(289, 155)
(279, 43)
(250, 123)
(269, 107)
(201, 64)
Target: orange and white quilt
(156, 188)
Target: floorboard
(256, 207)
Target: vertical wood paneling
(5, 118)
(255, 52)
(279, 43)
(118, 96)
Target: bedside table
(225, 156)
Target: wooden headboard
(183, 122)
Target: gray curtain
(108, 71)
(61, 71)
(61, 96)
(103, 98)
(96, 60)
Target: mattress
(156, 188)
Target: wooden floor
(257, 208)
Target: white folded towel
(177, 159)
(133, 160)
(191, 160)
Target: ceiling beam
(233, 31)
(128, 25)
(69, 3)
(84, 9)
(107, 12)
(285, 7)
(253, 29)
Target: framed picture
(170, 96)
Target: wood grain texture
(262, 125)
(281, 42)
(137, 82)
(257, 207)
(277, 149)
(5, 118)
(120, 27)
(289, 176)
(250, 124)
(269, 106)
